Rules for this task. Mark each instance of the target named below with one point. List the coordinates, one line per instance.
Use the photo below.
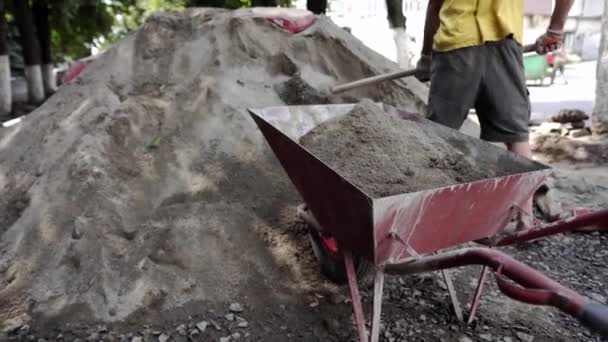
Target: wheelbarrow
(409, 233)
(536, 68)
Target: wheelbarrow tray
(387, 230)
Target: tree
(233, 4)
(396, 20)
(207, 3)
(5, 67)
(43, 30)
(317, 6)
(76, 26)
(600, 111)
(264, 3)
(31, 51)
(394, 8)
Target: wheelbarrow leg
(447, 278)
(355, 295)
(378, 292)
(478, 292)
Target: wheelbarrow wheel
(331, 261)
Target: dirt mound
(569, 115)
(146, 185)
(385, 155)
(556, 148)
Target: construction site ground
(141, 203)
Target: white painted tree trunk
(600, 110)
(35, 84)
(50, 82)
(6, 103)
(402, 45)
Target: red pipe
(599, 217)
(536, 288)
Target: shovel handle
(529, 48)
(393, 75)
(371, 80)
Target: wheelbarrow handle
(595, 317)
(591, 314)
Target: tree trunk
(206, 3)
(394, 8)
(600, 110)
(31, 51)
(317, 6)
(396, 21)
(5, 68)
(263, 3)
(41, 18)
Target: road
(579, 93)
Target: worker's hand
(549, 42)
(423, 68)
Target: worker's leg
(553, 74)
(522, 148)
(562, 70)
(503, 105)
(455, 80)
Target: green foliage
(130, 14)
(75, 26)
(234, 4)
(79, 25)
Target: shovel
(392, 76)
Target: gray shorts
(489, 78)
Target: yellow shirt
(473, 22)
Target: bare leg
(562, 70)
(523, 149)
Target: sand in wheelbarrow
(384, 155)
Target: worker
(472, 54)
(557, 61)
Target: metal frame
(514, 279)
(398, 232)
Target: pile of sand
(146, 185)
(384, 155)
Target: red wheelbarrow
(408, 233)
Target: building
(583, 28)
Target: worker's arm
(554, 38)
(560, 14)
(431, 25)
